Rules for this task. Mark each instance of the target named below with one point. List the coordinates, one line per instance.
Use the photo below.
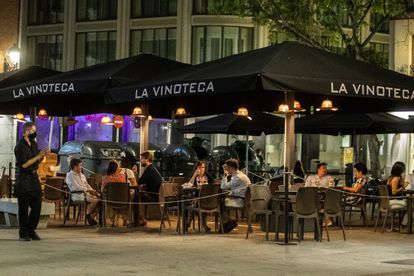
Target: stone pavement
(78, 250)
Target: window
(95, 47)
(153, 8)
(382, 49)
(376, 19)
(45, 12)
(214, 42)
(45, 51)
(206, 7)
(160, 42)
(92, 10)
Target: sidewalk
(78, 250)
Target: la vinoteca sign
(174, 89)
(32, 90)
(368, 90)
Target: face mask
(33, 135)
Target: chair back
(93, 183)
(307, 201)
(178, 179)
(4, 185)
(54, 188)
(384, 200)
(260, 197)
(117, 192)
(168, 191)
(274, 185)
(98, 179)
(211, 202)
(333, 201)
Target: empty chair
(118, 198)
(386, 209)
(4, 185)
(307, 206)
(333, 209)
(168, 198)
(258, 204)
(54, 192)
(208, 203)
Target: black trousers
(28, 222)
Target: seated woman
(113, 174)
(199, 178)
(396, 184)
(360, 171)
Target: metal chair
(333, 209)
(258, 204)
(361, 204)
(168, 198)
(307, 206)
(117, 197)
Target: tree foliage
(310, 21)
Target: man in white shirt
(237, 185)
(77, 182)
(321, 179)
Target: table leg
(410, 215)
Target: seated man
(321, 179)
(151, 179)
(77, 182)
(237, 185)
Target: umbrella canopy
(25, 74)
(255, 79)
(356, 123)
(81, 91)
(230, 123)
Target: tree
(323, 24)
(312, 21)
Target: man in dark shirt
(27, 188)
(151, 179)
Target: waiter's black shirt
(151, 178)
(24, 152)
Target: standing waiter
(27, 188)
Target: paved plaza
(78, 250)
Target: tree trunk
(374, 146)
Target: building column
(69, 35)
(123, 29)
(184, 12)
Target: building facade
(69, 34)
(9, 34)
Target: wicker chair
(168, 198)
(385, 208)
(258, 204)
(333, 208)
(54, 192)
(208, 203)
(117, 197)
(307, 206)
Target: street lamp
(12, 58)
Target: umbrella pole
(247, 154)
(288, 141)
(52, 119)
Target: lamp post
(12, 58)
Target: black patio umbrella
(255, 124)
(82, 91)
(255, 79)
(351, 124)
(25, 74)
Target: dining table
(409, 194)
